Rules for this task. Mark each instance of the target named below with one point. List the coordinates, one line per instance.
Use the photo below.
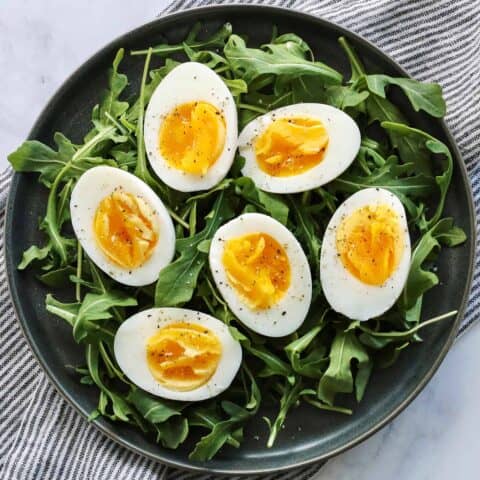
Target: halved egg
(191, 128)
(262, 273)
(177, 353)
(365, 255)
(298, 147)
(122, 225)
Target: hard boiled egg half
(122, 225)
(177, 353)
(262, 273)
(298, 147)
(365, 255)
(190, 128)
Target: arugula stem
(78, 292)
(323, 406)
(51, 216)
(113, 370)
(186, 212)
(177, 218)
(287, 401)
(214, 292)
(219, 70)
(192, 221)
(252, 108)
(407, 333)
(141, 170)
(160, 50)
(357, 67)
(209, 305)
(105, 133)
(121, 128)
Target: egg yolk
(183, 356)
(370, 243)
(257, 267)
(290, 146)
(192, 137)
(124, 228)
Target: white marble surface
(41, 42)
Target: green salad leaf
(153, 409)
(177, 281)
(338, 377)
(268, 203)
(420, 279)
(224, 430)
(97, 307)
(423, 96)
(286, 58)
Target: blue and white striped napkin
(42, 437)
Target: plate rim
(100, 424)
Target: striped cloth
(43, 437)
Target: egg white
(190, 82)
(130, 351)
(343, 145)
(290, 311)
(344, 292)
(92, 187)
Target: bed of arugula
(329, 354)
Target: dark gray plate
(309, 435)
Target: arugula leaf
(211, 59)
(311, 365)
(338, 377)
(121, 409)
(277, 59)
(267, 202)
(222, 431)
(420, 280)
(111, 106)
(422, 96)
(58, 277)
(306, 230)
(210, 444)
(33, 254)
(343, 97)
(274, 365)
(450, 235)
(67, 311)
(207, 417)
(383, 110)
(58, 167)
(289, 38)
(97, 307)
(153, 409)
(34, 156)
(173, 432)
(434, 146)
(388, 176)
(237, 86)
(177, 281)
(380, 109)
(215, 40)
